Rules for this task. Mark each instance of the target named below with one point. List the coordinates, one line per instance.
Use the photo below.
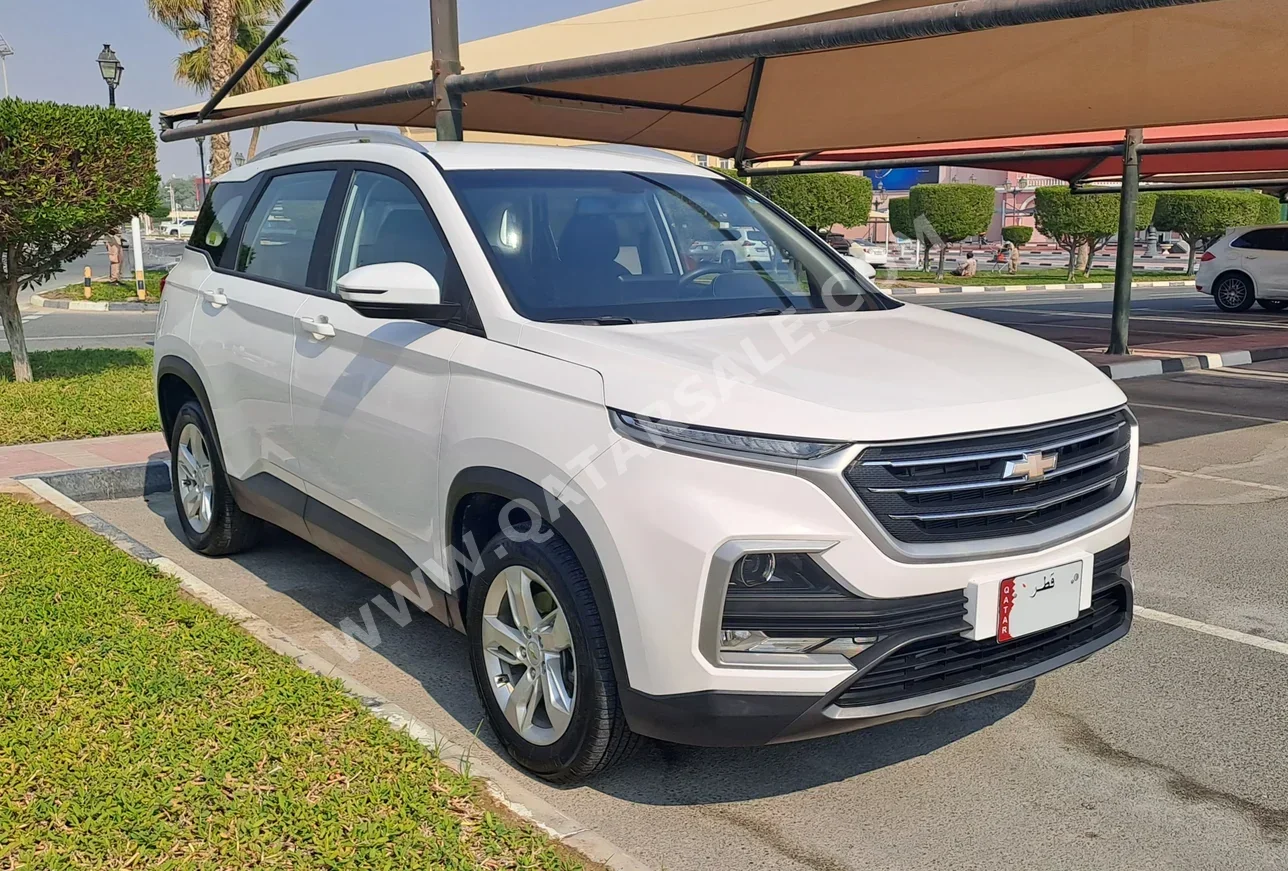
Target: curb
(89, 305)
(116, 482)
(1016, 288)
(1172, 365)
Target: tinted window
(384, 222)
(575, 245)
(1263, 240)
(278, 240)
(218, 215)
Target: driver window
(384, 222)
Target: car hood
(907, 372)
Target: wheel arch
(474, 500)
(178, 382)
(1236, 272)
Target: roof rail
(634, 150)
(386, 137)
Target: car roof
(453, 156)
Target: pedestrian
(115, 251)
(967, 269)
(1012, 257)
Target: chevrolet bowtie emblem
(1033, 467)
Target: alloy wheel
(196, 478)
(528, 655)
(1232, 292)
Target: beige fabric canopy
(1208, 62)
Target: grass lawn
(77, 394)
(104, 291)
(140, 729)
(1024, 276)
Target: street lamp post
(201, 153)
(111, 69)
(6, 51)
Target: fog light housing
(755, 641)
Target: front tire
(1273, 305)
(211, 521)
(541, 661)
(1233, 293)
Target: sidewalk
(80, 454)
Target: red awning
(1214, 165)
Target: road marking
(1249, 374)
(26, 319)
(1216, 631)
(1273, 488)
(1210, 413)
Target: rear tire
(1273, 305)
(211, 521)
(1233, 293)
(588, 733)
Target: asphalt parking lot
(1168, 750)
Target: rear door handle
(215, 297)
(319, 329)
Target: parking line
(1216, 631)
(1209, 413)
(1274, 488)
(1249, 374)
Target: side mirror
(395, 291)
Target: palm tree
(277, 67)
(216, 27)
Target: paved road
(1169, 750)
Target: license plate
(1039, 600)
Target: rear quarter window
(218, 216)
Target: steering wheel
(706, 269)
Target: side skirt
(344, 538)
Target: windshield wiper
(601, 321)
(762, 312)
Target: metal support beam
(446, 38)
(748, 111)
(1098, 152)
(1203, 146)
(1123, 268)
(623, 102)
(253, 58)
(1146, 187)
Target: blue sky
(56, 43)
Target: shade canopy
(1210, 61)
(1214, 163)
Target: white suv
(1246, 265)
(708, 503)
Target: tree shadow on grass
(78, 362)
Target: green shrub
(1085, 222)
(1018, 235)
(952, 211)
(1202, 217)
(68, 175)
(820, 200)
(900, 211)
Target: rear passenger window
(218, 215)
(1263, 240)
(278, 240)
(384, 222)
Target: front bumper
(907, 674)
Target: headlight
(697, 440)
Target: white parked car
(712, 505)
(182, 227)
(871, 254)
(1246, 265)
(732, 245)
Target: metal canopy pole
(1125, 265)
(251, 59)
(748, 111)
(446, 46)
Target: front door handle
(319, 329)
(215, 297)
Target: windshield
(619, 247)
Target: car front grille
(947, 662)
(953, 490)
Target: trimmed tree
(949, 213)
(1084, 222)
(1019, 235)
(1202, 217)
(68, 175)
(820, 200)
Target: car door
(244, 331)
(1264, 254)
(368, 394)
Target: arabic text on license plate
(1039, 600)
